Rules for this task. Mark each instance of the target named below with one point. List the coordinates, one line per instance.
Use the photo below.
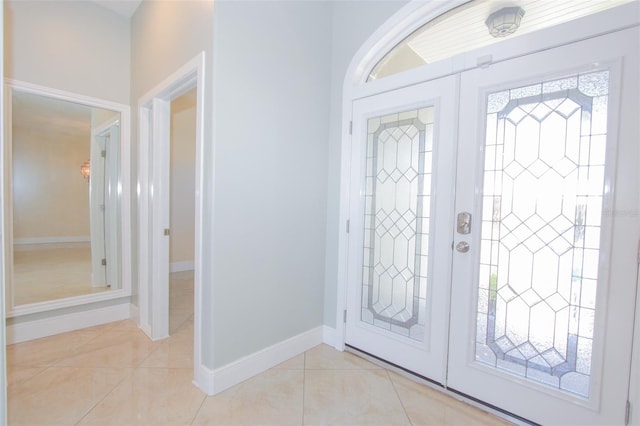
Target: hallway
(114, 375)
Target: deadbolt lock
(464, 223)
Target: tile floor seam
(88, 341)
(44, 369)
(195, 415)
(103, 398)
(399, 397)
(147, 356)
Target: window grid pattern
(396, 222)
(540, 238)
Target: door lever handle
(464, 223)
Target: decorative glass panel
(540, 238)
(397, 211)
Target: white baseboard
(30, 330)
(216, 381)
(203, 379)
(181, 266)
(330, 337)
(52, 240)
(146, 329)
(134, 313)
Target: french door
(490, 250)
(404, 161)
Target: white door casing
(153, 301)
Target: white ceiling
(125, 8)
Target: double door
(490, 251)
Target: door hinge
(351, 127)
(104, 262)
(348, 225)
(344, 316)
(103, 154)
(627, 413)
(166, 231)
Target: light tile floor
(114, 375)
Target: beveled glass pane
(540, 233)
(397, 200)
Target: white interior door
(402, 169)
(543, 302)
(533, 310)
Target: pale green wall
(352, 23)
(271, 131)
(78, 47)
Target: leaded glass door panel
(544, 299)
(402, 167)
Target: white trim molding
(215, 381)
(30, 330)
(330, 337)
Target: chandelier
(85, 169)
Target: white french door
(543, 302)
(522, 295)
(404, 161)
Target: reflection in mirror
(65, 175)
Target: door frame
(153, 206)
(392, 32)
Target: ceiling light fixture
(505, 21)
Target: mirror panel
(64, 197)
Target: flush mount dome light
(505, 21)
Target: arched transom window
(479, 23)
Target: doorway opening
(182, 209)
(171, 116)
